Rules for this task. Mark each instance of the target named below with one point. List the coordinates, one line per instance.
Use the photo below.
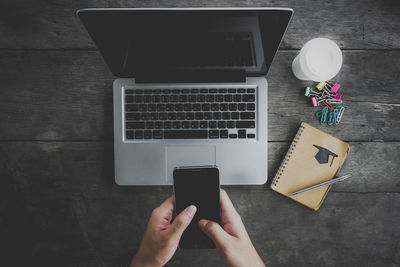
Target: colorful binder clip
(315, 101)
(338, 96)
(320, 85)
(310, 92)
(335, 87)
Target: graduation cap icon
(323, 155)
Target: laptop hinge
(192, 76)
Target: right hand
(231, 240)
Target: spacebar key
(185, 134)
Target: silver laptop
(190, 89)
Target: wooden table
(59, 205)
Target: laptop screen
(135, 41)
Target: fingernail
(191, 210)
(203, 223)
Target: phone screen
(199, 187)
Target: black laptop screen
(137, 41)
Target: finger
(165, 210)
(182, 221)
(214, 231)
(227, 207)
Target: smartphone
(197, 186)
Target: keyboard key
(223, 134)
(138, 91)
(226, 115)
(183, 98)
(144, 116)
(241, 90)
(198, 116)
(201, 98)
(251, 106)
(167, 124)
(207, 115)
(245, 124)
(149, 124)
(135, 125)
(129, 135)
(223, 107)
(242, 106)
(213, 91)
(217, 115)
(196, 107)
(157, 134)
(174, 98)
(166, 91)
(185, 134)
(233, 136)
(222, 90)
(162, 116)
(237, 98)
(165, 98)
(215, 107)
(153, 116)
(222, 124)
(160, 107)
(232, 107)
(128, 91)
(249, 98)
(185, 91)
(251, 90)
(176, 91)
(148, 91)
(205, 107)
(204, 90)
(169, 107)
(235, 115)
(194, 124)
(203, 124)
(192, 98)
(151, 107)
(142, 107)
(180, 116)
(242, 133)
(139, 134)
(210, 98)
(247, 115)
(228, 98)
(231, 90)
(176, 125)
(212, 124)
(129, 99)
(194, 91)
(190, 116)
(157, 91)
(147, 134)
(213, 134)
(185, 125)
(146, 99)
(138, 99)
(230, 124)
(187, 107)
(219, 98)
(171, 116)
(158, 125)
(178, 107)
(131, 107)
(156, 99)
(251, 135)
(132, 116)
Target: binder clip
(338, 96)
(335, 87)
(315, 101)
(310, 92)
(320, 85)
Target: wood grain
(366, 24)
(67, 95)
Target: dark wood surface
(59, 205)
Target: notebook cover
(300, 168)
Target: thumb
(182, 221)
(214, 231)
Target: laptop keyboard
(190, 113)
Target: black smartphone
(197, 186)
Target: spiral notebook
(313, 157)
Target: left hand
(161, 237)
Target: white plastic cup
(319, 60)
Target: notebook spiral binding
(288, 155)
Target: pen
(332, 181)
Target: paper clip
(332, 117)
(328, 105)
(340, 114)
(322, 115)
(338, 96)
(335, 87)
(320, 85)
(334, 101)
(310, 92)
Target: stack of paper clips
(327, 94)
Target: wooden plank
(60, 95)
(67, 169)
(79, 229)
(354, 25)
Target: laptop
(190, 88)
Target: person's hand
(232, 241)
(161, 237)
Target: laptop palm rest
(180, 156)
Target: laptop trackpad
(180, 156)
